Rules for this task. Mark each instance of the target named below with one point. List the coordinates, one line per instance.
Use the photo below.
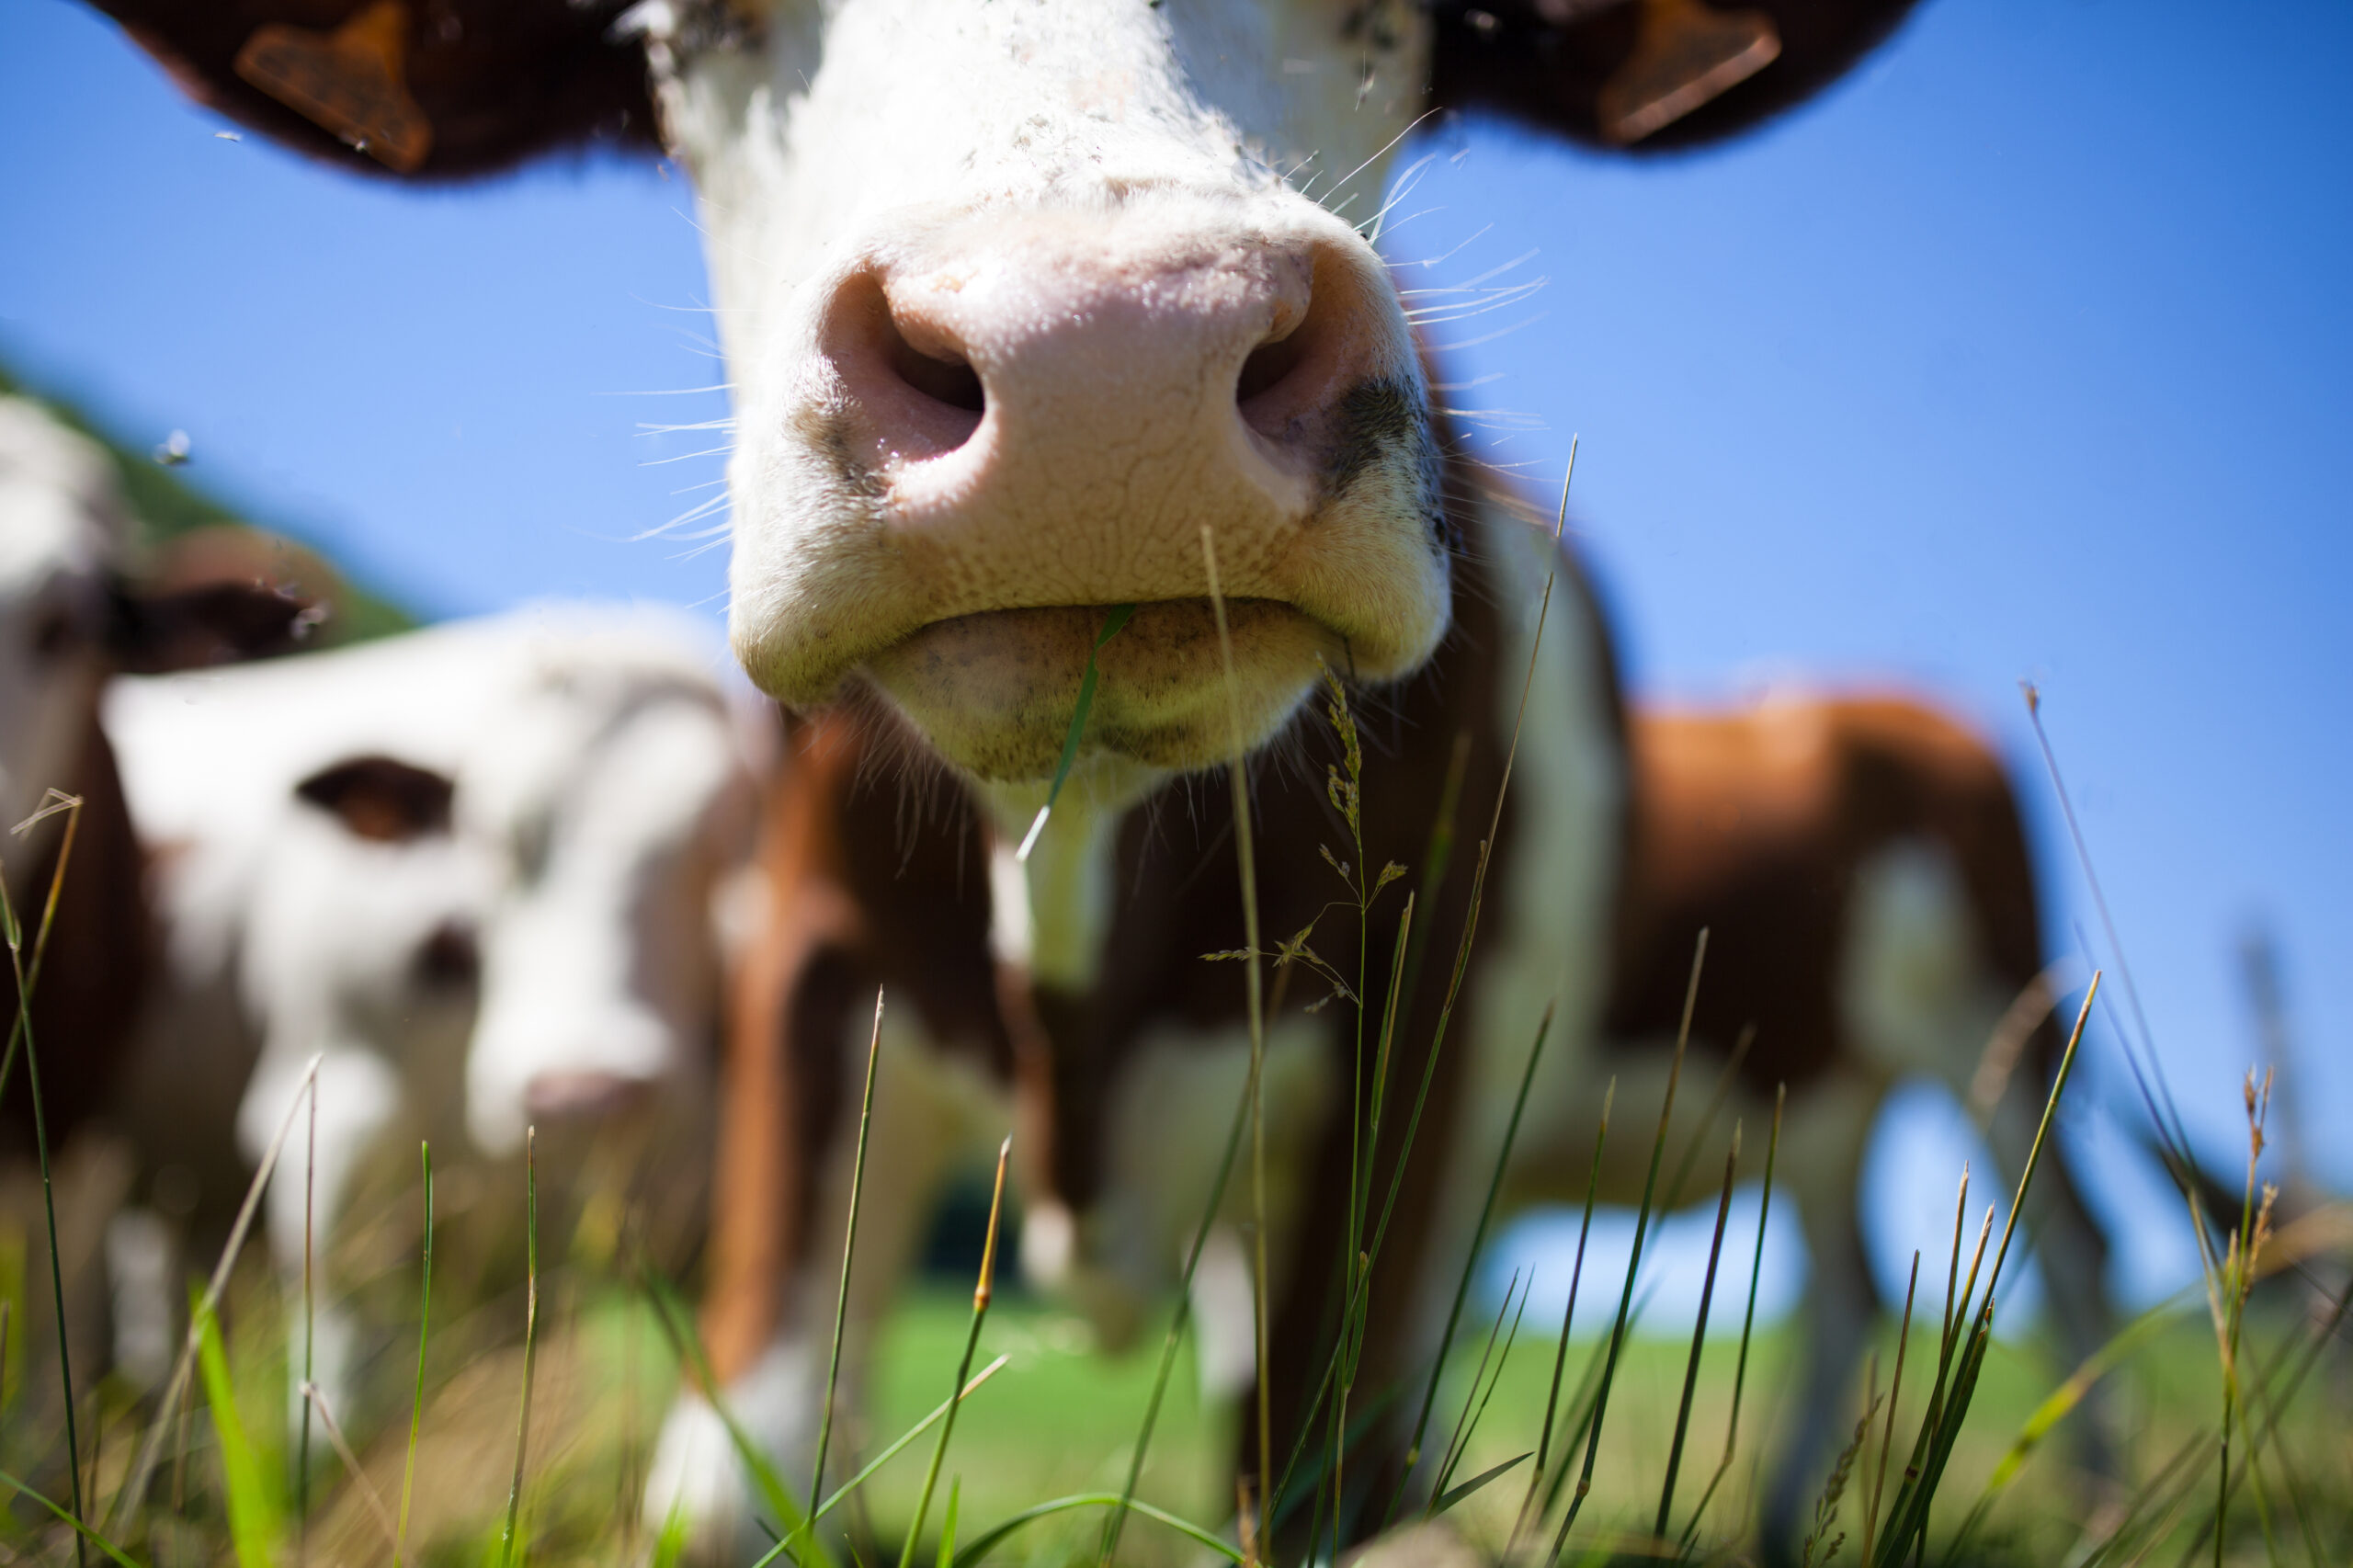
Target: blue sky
(2022, 354)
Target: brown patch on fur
(101, 952)
(1754, 823)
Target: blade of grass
(938, 1413)
(310, 1338)
(1471, 1262)
(1119, 617)
(1253, 985)
(2168, 1123)
(841, 1493)
(980, 1294)
(1568, 1317)
(849, 1246)
(424, 1335)
(151, 1448)
(252, 1501)
(1436, 859)
(1698, 1342)
(1372, 1410)
(54, 802)
(1492, 1473)
(313, 1395)
(2058, 1406)
(24, 1031)
(678, 1325)
(1462, 947)
(1727, 1076)
(2321, 1333)
(81, 1530)
(1176, 1321)
(987, 1542)
(1581, 1409)
(1747, 1324)
(1894, 1394)
(1634, 1259)
(947, 1554)
(1467, 1422)
(1941, 1422)
(507, 1539)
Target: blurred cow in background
(474, 871)
(81, 598)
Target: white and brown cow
(1022, 299)
(473, 870)
(78, 603)
(80, 599)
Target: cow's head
(1022, 297)
(71, 612)
(612, 800)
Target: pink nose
(1075, 376)
(583, 1097)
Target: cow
(473, 870)
(1860, 868)
(1858, 862)
(81, 598)
(1034, 309)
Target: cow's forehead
(59, 513)
(868, 105)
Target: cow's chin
(993, 692)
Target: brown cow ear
(382, 799)
(1648, 75)
(213, 623)
(429, 89)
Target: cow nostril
(1267, 366)
(1285, 378)
(449, 957)
(936, 371)
(952, 382)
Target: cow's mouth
(994, 691)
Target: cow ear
(213, 623)
(1648, 75)
(431, 89)
(382, 799)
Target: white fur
(1007, 169)
(62, 530)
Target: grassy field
(1059, 1420)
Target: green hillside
(168, 505)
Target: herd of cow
(1031, 313)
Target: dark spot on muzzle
(1386, 424)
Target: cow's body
(471, 870)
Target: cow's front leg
(1825, 1133)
